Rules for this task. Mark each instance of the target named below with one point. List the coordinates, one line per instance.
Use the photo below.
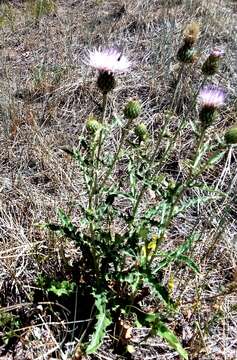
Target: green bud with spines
(132, 109)
(187, 54)
(231, 135)
(141, 132)
(92, 125)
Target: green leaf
(157, 289)
(175, 255)
(158, 328)
(103, 321)
(65, 220)
(60, 288)
(164, 332)
(188, 261)
(216, 157)
(199, 200)
(133, 278)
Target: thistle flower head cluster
(217, 53)
(212, 63)
(210, 98)
(108, 62)
(187, 53)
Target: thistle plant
(123, 267)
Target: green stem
(150, 163)
(181, 70)
(93, 188)
(177, 195)
(116, 155)
(104, 105)
(167, 151)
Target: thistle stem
(180, 190)
(116, 155)
(181, 70)
(167, 151)
(104, 106)
(150, 163)
(93, 188)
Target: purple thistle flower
(211, 97)
(217, 53)
(109, 60)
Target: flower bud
(231, 135)
(106, 82)
(212, 63)
(141, 132)
(132, 110)
(187, 54)
(92, 125)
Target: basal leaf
(103, 321)
(164, 332)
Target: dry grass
(46, 96)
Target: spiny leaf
(175, 255)
(216, 157)
(188, 261)
(103, 321)
(158, 328)
(157, 289)
(164, 332)
(65, 220)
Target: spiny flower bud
(212, 63)
(106, 82)
(132, 109)
(187, 54)
(92, 125)
(141, 132)
(231, 135)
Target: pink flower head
(108, 60)
(217, 53)
(211, 97)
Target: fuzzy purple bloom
(217, 53)
(109, 60)
(211, 97)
